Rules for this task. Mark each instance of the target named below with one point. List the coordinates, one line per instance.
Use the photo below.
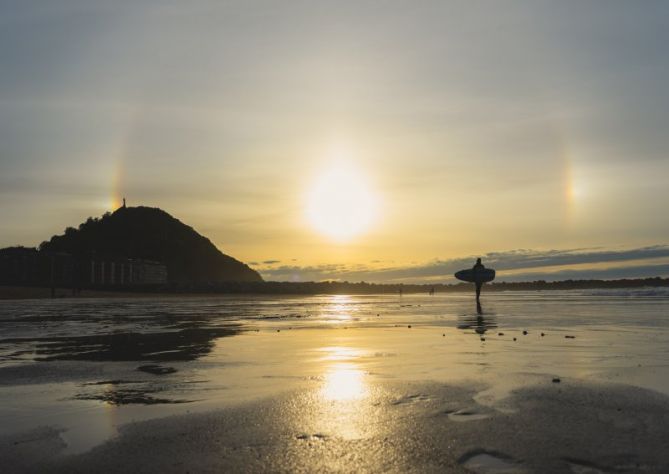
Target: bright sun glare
(340, 203)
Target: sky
(377, 141)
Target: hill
(152, 234)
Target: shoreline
(8, 292)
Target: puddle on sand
(491, 463)
(128, 396)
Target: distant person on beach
(478, 267)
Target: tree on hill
(152, 234)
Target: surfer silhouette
(478, 275)
(478, 268)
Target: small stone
(514, 338)
(443, 335)
(524, 333)
(409, 326)
(542, 334)
(278, 330)
(570, 337)
(500, 333)
(556, 380)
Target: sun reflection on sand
(344, 381)
(340, 353)
(339, 309)
(345, 394)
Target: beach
(539, 382)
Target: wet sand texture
(408, 428)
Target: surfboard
(478, 276)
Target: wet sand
(335, 385)
(570, 427)
(35, 292)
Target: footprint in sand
(418, 397)
(313, 437)
(624, 464)
(483, 462)
(584, 467)
(468, 414)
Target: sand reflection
(344, 381)
(344, 395)
(343, 377)
(478, 322)
(338, 309)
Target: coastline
(279, 288)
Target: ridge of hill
(152, 234)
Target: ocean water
(86, 367)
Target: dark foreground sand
(556, 427)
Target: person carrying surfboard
(478, 275)
(478, 269)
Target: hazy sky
(477, 127)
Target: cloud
(270, 262)
(637, 271)
(550, 262)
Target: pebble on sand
(542, 334)
(556, 379)
(409, 326)
(514, 338)
(500, 333)
(524, 333)
(570, 337)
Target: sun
(340, 203)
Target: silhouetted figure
(478, 267)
